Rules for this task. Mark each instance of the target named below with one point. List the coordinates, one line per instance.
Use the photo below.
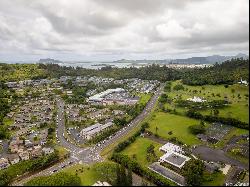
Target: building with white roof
(169, 147)
(243, 82)
(196, 99)
(99, 97)
(173, 155)
(89, 132)
(99, 183)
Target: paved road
(217, 155)
(121, 133)
(89, 154)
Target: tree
(123, 175)
(129, 178)
(118, 175)
(193, 172)
(59, 179)
(178, 87)
(156, 130)
(197, 129)
(216, 112)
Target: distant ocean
(93, 65)
(98, 65)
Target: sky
(107, 30)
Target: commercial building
(99, 97)
(93, 130)
(173, 155)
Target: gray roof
(175, 159)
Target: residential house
(4, 163)
(36, 152)
(47, 150)
(24, 155)
(13, 158)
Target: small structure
(99, 183)
(196, 99)
(13, 158)
(24, 155)
(169, 147)
(4, 163)
(47, 150)
(37, 152)
(212, 166)
(243, 82)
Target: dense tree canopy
(226, 73)
(59, 179)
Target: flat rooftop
(175, 159)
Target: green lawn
(237, 109)
(90, 174)
(139, 148)
(144, 98)
(166, 122)
(8, 121)
(61, 150)
(214, 179)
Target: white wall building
(173, 155)
(196, 99)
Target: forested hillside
(16, 72)
(228, 72)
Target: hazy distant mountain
(49, 61)
(193, 60)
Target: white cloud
(113, 29)
(172, 29)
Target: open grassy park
(236, 94)
(178, 125)
(138, 149)
(90, 174)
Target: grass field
(214, 179)
(139, 148)
(61, 151)
(144, 98)
(108, 150)
(90, 174)
(8, 121)
(237, 109)
(177, 124)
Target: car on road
(55, 170)
(70, 162)
(63, 166)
